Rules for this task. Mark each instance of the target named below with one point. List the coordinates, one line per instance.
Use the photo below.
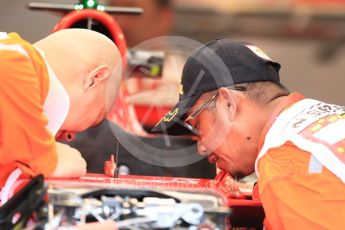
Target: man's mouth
(212, 158)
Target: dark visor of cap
(173, 122)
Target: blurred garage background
(306, 36)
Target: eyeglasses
(200, 108)
(196, 112)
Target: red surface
(152, 182)
(244, 211)
(157, 183)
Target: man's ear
(96, 76)
(228, 102)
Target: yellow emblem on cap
(169, 116)
(180, 89)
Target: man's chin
(213, 159)
(234, 174)
(237, 175)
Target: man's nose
(202, 149)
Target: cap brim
(173, 122)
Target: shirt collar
(57, 102)
(286, 103)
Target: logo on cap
(169, 116)
(180, 89)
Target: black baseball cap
(217, 64)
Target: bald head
(88, 64)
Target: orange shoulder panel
(24, 140)
(293, 198)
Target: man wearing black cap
(245, 119)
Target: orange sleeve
(293, 198)
(24, 140)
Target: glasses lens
(194, 114)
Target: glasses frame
(200, 108)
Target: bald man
(61, 85)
